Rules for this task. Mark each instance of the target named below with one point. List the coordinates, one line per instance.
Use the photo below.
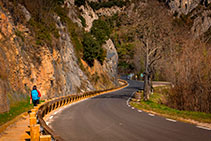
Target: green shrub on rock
(92, 50)
(79, 2)
(101, 31)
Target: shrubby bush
(92, 50)
(191, 76)
(79, 2)
(101, 31)
(126, 67)
(108, 4)
(125, 52)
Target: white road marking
(133, 108)
(139, 111)
(203, 127)
(171, 120)
(47, 123)
(129, 99)
(55, 113)
(51, 117)
(151, 115)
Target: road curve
(107, 117)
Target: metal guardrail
(40, 111)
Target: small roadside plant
(15, 110)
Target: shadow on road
(107, 96)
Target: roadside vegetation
(15, 110)
(181, 58)
(157, 104)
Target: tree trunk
(146, 76)
(150, 84)
(146, 87)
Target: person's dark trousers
(35, 102)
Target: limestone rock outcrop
(202, 23)
(89, 16)
(69, 4)
(110, 63)
(198, 12)
(185, 6)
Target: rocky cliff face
(183, 6)
(89, 16)
(55, 70)
(186, 6)
(111, 61)
(109, 11)
(202, 23)
(199, 12)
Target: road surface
(108, 117)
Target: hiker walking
(35, 96)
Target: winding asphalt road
(108, 117)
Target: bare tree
(153, 36)
(151, 56)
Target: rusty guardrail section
(39, 112)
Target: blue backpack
(34, 94)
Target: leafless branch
(155, 59)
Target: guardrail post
(32, 114)
(32, 121)
(34, 110)
(35, 132)
(45, 138)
